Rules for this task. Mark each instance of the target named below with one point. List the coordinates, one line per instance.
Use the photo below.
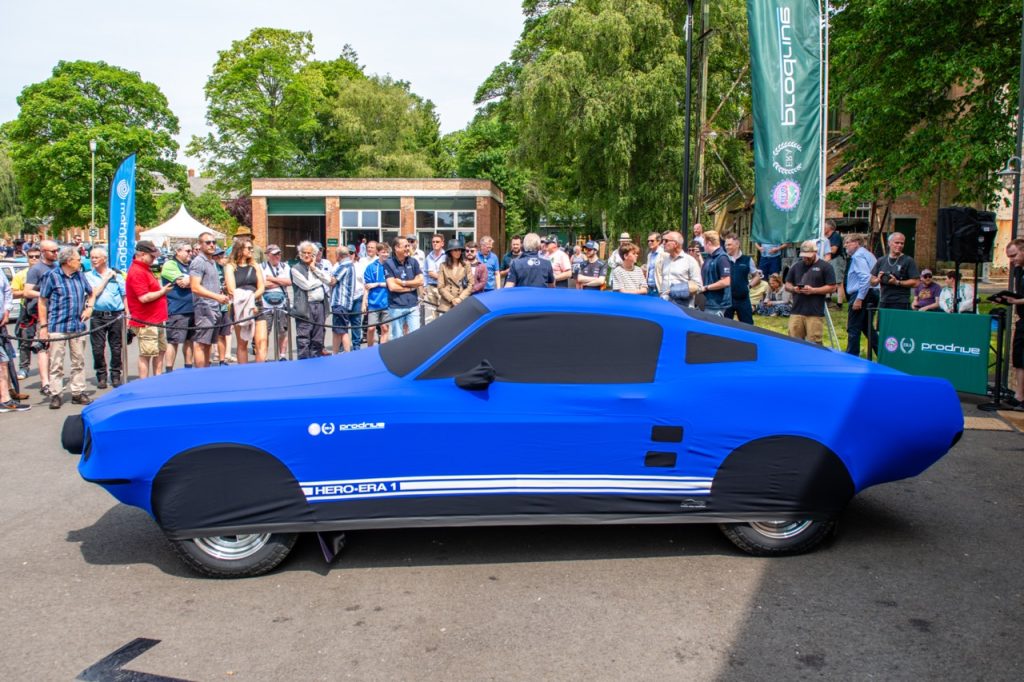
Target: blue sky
(444, 48)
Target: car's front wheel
(777, 538)
(235, 556)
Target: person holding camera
(811, 280)
(897, 273)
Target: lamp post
(686, 146)
(92, 182)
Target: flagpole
(685, 226)
(823, 114)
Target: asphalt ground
(922, 582)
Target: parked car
(10, 269)
(468, 420)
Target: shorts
(224, 323)
(376, 318)
(340, 323)
(152, 340)
(1017, 348)
(282, 319)
(808, 327)
(206, 320)
(179, 329)
(3, 354)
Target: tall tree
(81, 101)
(11, 221)
(378, 128)
(932, 89)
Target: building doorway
(908, 226)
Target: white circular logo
(314, 429)
(327, 428)
(123, 189)
(784, 158)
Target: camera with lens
(37, 347)
(886, 278)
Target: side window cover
(559, 348)
(708, 349)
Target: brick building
(336, 211)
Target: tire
(235, 556)
(778, 538)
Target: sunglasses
(209, 241)
(35, 257)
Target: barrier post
(999, 315)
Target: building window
(449, 224)
(862, 212)
(371, 225)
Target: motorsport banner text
(122, 216)
(785, 60)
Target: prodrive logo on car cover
(408, 486)
(330, 428)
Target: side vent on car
(660, 459)
(667, 434)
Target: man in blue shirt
(487, 256)
(530, 270)
(859, 293)
(375, 304)
(742, 267)
(717, 276)
(342, 299)
(65, 304)
(404, 278)
(107, 321)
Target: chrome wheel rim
(780, 530)
(232, 547)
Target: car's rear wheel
(235, 556)
(777, 538)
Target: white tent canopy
(181, 226)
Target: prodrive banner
(122, 216)
(785, 61)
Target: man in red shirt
(147, 305)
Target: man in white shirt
(680, 274)
(433, 261)
(560, 263)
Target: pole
(823, 117)
(1015, 222)
(92, 221)
(685, 219)
(702, 108)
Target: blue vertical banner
(122, 216)
(786, 84)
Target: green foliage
(276, 112)
(932, 89)
(81, 101)
(206, 208)
(11, 221)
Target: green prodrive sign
(785, 63)
(954, 347)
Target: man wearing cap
(277, 279)
(592, 272)
(811, 280)
(204, 280)
(680, 277)
(615, 260)
(530, 270)
(179, 307)
(897, 273)
(560, 263)
(926, 293)
(147, 305)
(717, 275)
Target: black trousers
(857, 324)
(109, 336)
(741, 310)
(26, 331)
(309, 336)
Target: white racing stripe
(492, 491)
(484, 477)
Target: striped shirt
(65, 300)
(343, 294)
(628, 280)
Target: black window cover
(559, 348)
(726, 322)
(707, 349)
(403, 355)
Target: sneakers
(22, 375)
(55, 402)
(45, 390)
(80, 399)
(101, 382)
(115, 383)
(11, 406)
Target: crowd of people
(203, 294)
